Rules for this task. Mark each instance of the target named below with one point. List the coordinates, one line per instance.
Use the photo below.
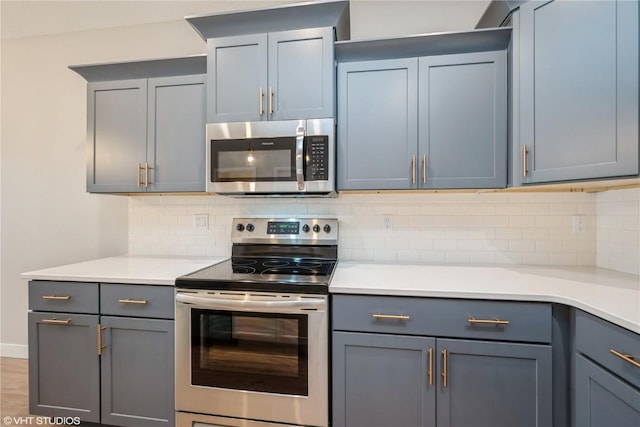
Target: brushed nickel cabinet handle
(424, 169)
(270, 100)
(430, 371)
(138, 174)
(55, 321)
(146, 174)
(132, 301)
(261, 101)
(524, 160)
(56, 297)
(100, 346)
(413, 169)
(474, 321)
(445, 372)
(626, 357)
(391, 316)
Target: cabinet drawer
(70, 297)
(493, 320)
(136, 300)
(598, 339)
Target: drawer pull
(55, 321)
(132, 301)
(626, 357)
(474, 321)
(391, 316)
(57, 298)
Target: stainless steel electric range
(252, 331)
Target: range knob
(316, 228)
(240, 227)
(306, 228)
(250, 228)
(327, 228)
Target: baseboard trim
(16, 351)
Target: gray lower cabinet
(114, 366)
(146, 135)
(606, 374)
(276, 76)
(382, 380)
(387, 371)
(578, 90)
(420, 123)
(64, 366)
(136, 366)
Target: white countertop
(125, 269)
(605, 293)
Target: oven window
(262, 352)
(253, 160)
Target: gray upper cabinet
(423, 112)
(146, 134)
(377, 124)
(276, 76)
(463, 121)
(578, 90)
(117, 134)
(176, 133)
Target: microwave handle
(251, 305)
(300, 157)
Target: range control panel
(287, 230)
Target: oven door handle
(252, 305)
(299, 157)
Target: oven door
(253, 356)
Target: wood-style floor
(14, 388)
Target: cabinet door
(383, 380)
(301, 74)
(176, 133)
(494, 384)
(463, 120)
(237, 78)
(579, 89)
(377, 124)
(64, 366)
(137, 372)
(602, 399)
(117, 135)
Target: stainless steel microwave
(276, 158)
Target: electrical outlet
(201, 221)
(579, 223)
(386, 222)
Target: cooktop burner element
(274, 255)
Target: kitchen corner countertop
(148, 270)
(608, 294)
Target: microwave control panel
(316, 158)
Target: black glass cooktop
(273, 274)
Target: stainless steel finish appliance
(252, 331)
(286, 158)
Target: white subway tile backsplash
(483, 228)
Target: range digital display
(283, 227)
